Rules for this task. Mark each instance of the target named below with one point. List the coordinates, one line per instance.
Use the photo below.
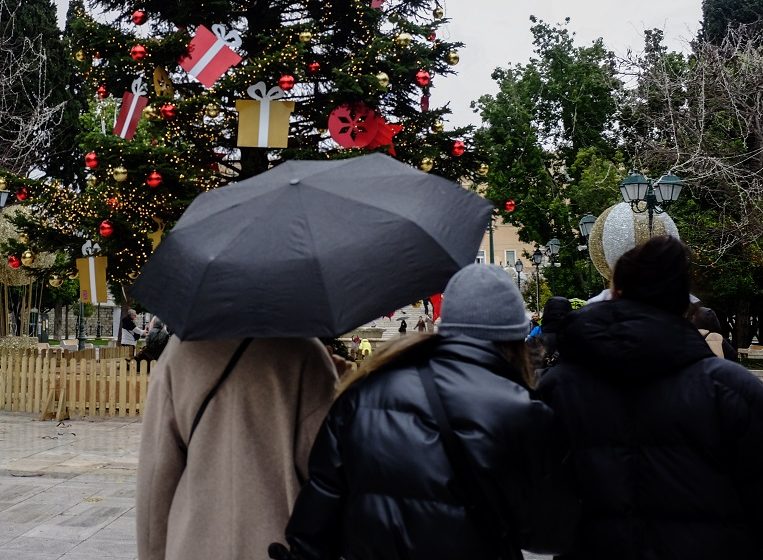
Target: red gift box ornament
(458, 148)
(211, 54)
(133, 104)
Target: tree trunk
(66, 323)
(57, 320)
(742, 336)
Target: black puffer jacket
(667, 439)
(380, 482)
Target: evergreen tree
(719, 15)
(370, 60)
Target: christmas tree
(186, 98)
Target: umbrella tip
(294, 182)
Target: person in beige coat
(229, 493)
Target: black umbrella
(311, 248)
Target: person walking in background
(226, 436)
(667, 439)
(403, 327)
(156, 340)
(435, 448)
(421, 326)
(130, 333)
(709, 327)
(543, 346)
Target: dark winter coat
(381, 486)
(667, 439)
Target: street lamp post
(647, 195)
(519, 267)
(585, 225)
(552, 250)
(537, 260)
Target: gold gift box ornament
(264, 120)
(92, 275)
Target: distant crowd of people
(615, 431)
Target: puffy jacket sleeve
(550, 509)
(740, 404)
(314, 529)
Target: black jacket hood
(630, 339)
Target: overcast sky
(497, 33)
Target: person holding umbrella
(436, 449)
(226, 435)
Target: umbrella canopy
(311, 248)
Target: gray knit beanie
(482, 301)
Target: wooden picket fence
(55, 386)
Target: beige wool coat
(230, 494)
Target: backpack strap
(488, 519)
(226, 372)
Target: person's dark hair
(555, 310)
(705, 318)
(655, 273)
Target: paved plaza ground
(67, 490)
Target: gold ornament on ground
(119, 174)
(427, 164)
(27, 258)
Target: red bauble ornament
(138, 52)
(139, 17)
(510, 205)
(423, 78)
(101, 92)
(286, 82)
(314, 67)
(112, 202)
(432, 36)
(106, 229)
(22, 194)
(353, 126)
(91, 160)
(168, 111)
(14, 261)
(154, 179)
(458, 148)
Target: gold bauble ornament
(133, 275)
(91, 181)
(438, 12)
(3, 183)
(438, 127)
(80, 55)
(27, 258)
(23, 239)
(404, 40)
(212, 110)
(383, 79)
(55, 280)
(119, 174)
(452, 58)
(151, 113)
(427, 164)
(305, 37)
(73, 275)
(483, 170)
